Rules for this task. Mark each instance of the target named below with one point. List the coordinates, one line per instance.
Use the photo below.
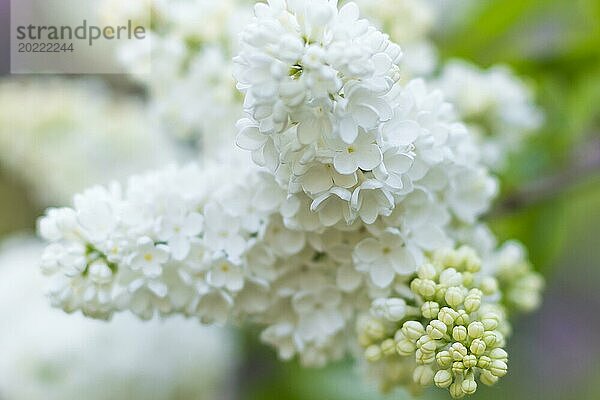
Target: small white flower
(384, 258)
(149, 258)
(222, 231)
(225, 274)
(363, 153)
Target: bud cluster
(450, 336)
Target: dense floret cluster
(363, 193)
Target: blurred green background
(550, 201)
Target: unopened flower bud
(487, 378)
(450, 278)
(473, 301)
(422, 357)
(469, 386)
(454, 296)
(423, 375)
(462, 318)
(458, 368)
(373, 353)
(458, 351)
(459, 333)
(490, 321)
(490, 338)
(499, 354)
(436, 329)
(456, 391)
(444, 359)
(388, 347)
(498, 368)
(427, 288)
(427, 344)
(374, 329)
(430, 309)
(447, 316)
(442, 379)
(413, 330)
(467, 278)
(484, 362)
(405, 347)
(477, 347)
(489, 286)
(427, 271)
(470, 361)
(476, 329)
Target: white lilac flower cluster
(497, 107)
(347, 141)
(49, 355)
(190, 88)
(358, 182)
(71, 134)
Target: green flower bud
(489, 286)
(456, 391)
(423, 375)
(427, 289)
(436, 329)
(498, 368)
(444, 359)
(373, 353)
(470, 361)
(413, 330)
(398, 336)
(458, 351)
(467, 278)
(487, 378)
(458, 368)
(430, 309)
(462, 318)
(469, 386)
(422, 357)
(476, 329)
(459, 333)
(477, 347)
(442, 379)
(454, 296)
(473, 301)
(499, 354)
(490, 321)
(447, 316)
(451, 278)
(388, 347)
(427, 344)
(405, 347)
(484, 362)
(490, 338)
(374, 329)
(427, 271)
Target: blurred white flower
(497, 106)
(49, 355)
(78, 135)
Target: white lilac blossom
(325, 113)
(71, 134)
(496, 105)
(49, 355)
(190, 89)
(409, 23)
(359, 191)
